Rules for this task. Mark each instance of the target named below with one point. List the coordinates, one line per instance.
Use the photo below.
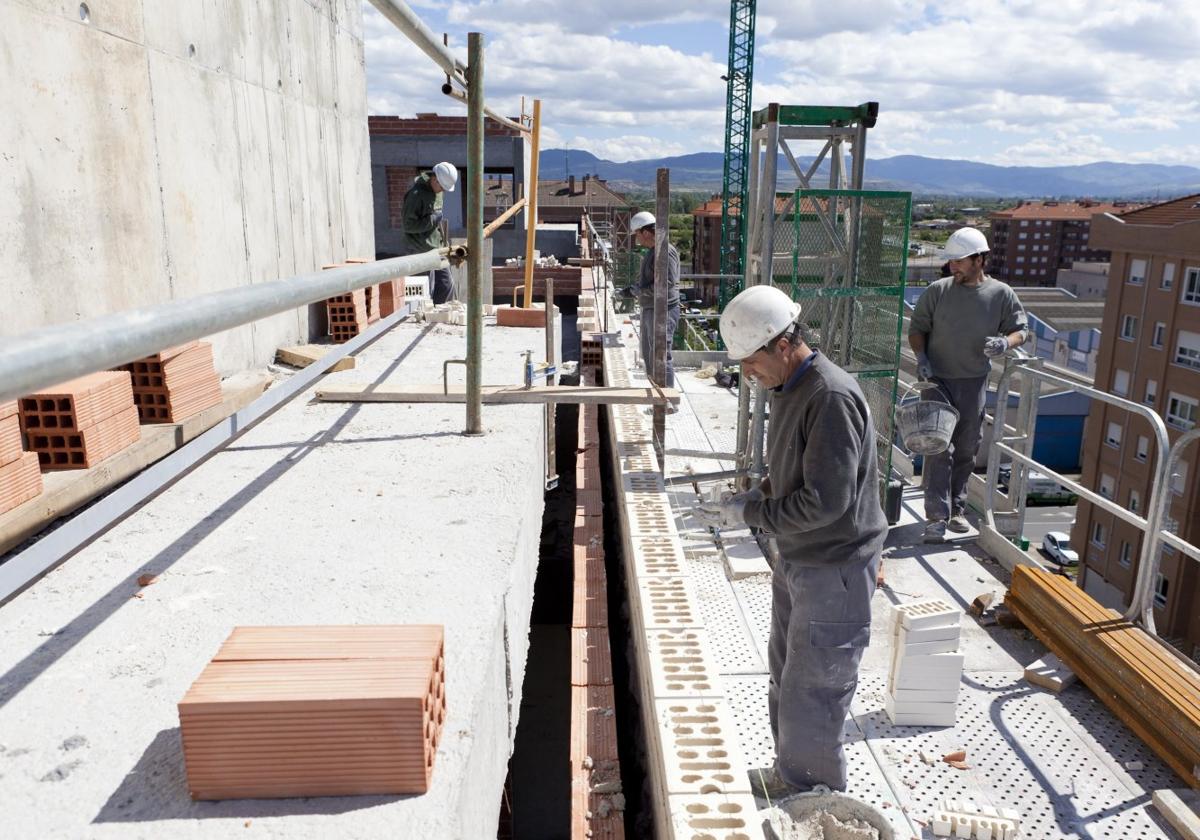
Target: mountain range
(923, 176)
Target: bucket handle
(924, 385)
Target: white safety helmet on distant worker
(754, 317)
(641, 220)
(447, 175)
(965, 242)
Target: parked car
(1058, 546)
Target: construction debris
(1049, 672)
(964, 818)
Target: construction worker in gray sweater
(820, 504)
(959, 324)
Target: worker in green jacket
(423, 219)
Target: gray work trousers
(646, 338)
(944, 476)
(440, 286)
(820, 626)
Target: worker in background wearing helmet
(820, 505)
(423, 220)
(960, 324)
(642, 225)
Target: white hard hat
(447, 175)
(757, 315)
(641, 220)
(965, 242)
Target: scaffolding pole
(531, 202)
(474, 234)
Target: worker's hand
(924, 369)
(435, 218)
(730, 512)
(995, 346)
(627, 292)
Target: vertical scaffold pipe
(474, 234)
(531, 202)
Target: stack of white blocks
(963, 818)
(926, 667)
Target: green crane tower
(738, 85)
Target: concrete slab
(322, 514)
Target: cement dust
(822, 825)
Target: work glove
(995, 346)
(730, 511)
(627, 292)
(435, 218)
(924, 369)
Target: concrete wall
(157, 151)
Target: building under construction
(287, 550)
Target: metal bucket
(926, 426)
(838, 805)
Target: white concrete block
(922, 695)
(681, 663)
(938, 672)
(1049, 672)
(962, 825)
(933, 612)
(699, 746)
(941, 824)
(714, 816)
(944, 632)
(895, 707)
(668, 602)
(947, 718)
(657, 556)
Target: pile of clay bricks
(175, 384)
(316, 711)
(77, 424)
(926, 667)
(963, 818)
(350, 314)
(20, 475)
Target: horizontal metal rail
(406, 20)
(459, 96)
(54, 354)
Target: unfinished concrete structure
(169, 150)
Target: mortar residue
(822, 825)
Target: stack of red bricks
(171, 386)
(77, 424)
(20, 476)
(351, 313)
(316, 711)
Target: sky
(1009, 82)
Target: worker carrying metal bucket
(960, 323)
(423, 221)
(821, 506)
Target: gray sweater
(645, 284)
(956, 319)
(824, 507)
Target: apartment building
(1032, 241)
(1150, 353)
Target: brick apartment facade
(1032, 241)
(1149, 353)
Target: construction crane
(738, 84)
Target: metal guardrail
(1019, 448)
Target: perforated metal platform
(1067, 764)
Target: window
(1143, 448)
(1191, 286)
(1121, 383)
(1181, 411)
(1124, 558)
(1151, 392)
(1113, 436)
(1135, 501)
(1168, 276)
(1161, 585)
(1179, 479)
(1022, 235)
(1137, 272)
(1129, 325)
(1020, 259)
(1187, 349)
(1160, 335)
(1021, 247)
(1107, 486)
(1024, 223)
(1099, 534)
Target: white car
(1058, 546)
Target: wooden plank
(304, 355)
(66, 491)
(1181, 808)
(499, 394)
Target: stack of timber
(78, 423)
(171, 386)
(1140, 680)
(20, 475)
(316, 711)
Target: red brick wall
(431, 125)
(399, 179)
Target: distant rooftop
(1061, 309)
(431, 125)
(588, 191)
(1062, 210)
(1178, 211)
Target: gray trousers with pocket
(944, 476)
(646, 339)
(820, 626)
